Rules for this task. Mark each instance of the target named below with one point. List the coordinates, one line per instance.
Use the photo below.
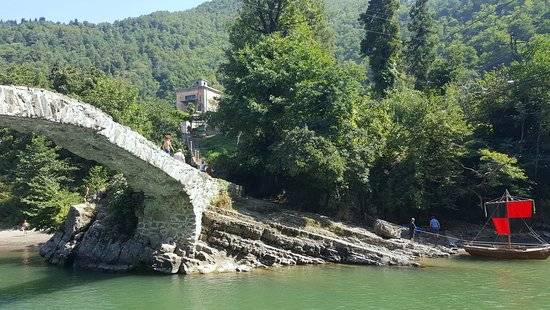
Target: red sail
(502, 226)
(519, 209)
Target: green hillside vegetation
(163, 51)
(157, 53)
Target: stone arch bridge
(176, 194)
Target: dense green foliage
(280, 84)
(311, 135)
(40, 179)
(260, 18)
(512, 109)
(421, 46)
(420, 163)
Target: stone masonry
(176, 194)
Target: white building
(202, 97)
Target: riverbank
(251, 234)
(13, 240)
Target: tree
(96, 181)
(23, 74)
(382, 43)
(419, 166)
(420, 48)
(497, 172)
(260, 18)
(512, 107)
(41, 180)
(312, 165)
(284, 81)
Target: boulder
(168, 263)
(167, 248)
(386, 229)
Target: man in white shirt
(179, 156)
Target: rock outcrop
(387, 230)
(89, 239)
(60, 249)
(258, 235)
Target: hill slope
(156, 52)
(163, 51)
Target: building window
(191, 98)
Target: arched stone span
(176, 194)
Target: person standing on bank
(24, 226)
(412, 229)
(435, 226)
(203, 166)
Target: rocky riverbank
(255, 234)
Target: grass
(215, 146)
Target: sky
(94, 11)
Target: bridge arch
(176, 194)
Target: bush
(123, 205)
(223, 201)
(96, 181)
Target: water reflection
(26, 283)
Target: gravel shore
(11, 240)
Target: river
(457, 283)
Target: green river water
(458, 283)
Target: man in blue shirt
(435, 226)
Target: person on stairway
(179, 155)
(167, 144)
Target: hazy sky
(90, 10)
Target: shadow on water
(477, 259)
(10, 260)
(470, 258)
(56, 278)
(35, 288)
